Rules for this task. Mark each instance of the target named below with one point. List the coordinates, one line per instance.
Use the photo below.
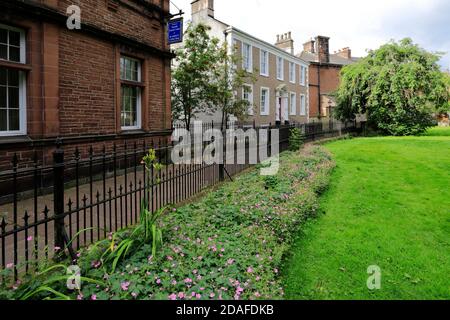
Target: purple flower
(124, 286)
(173, 297)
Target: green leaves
(399, 87)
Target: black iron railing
(80, 199)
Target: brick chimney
(323, 49)
(203, 7)
(345, 53)
(285, 42)
(309, 46)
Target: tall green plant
(191, 74)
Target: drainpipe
(318, 90)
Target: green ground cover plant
(230, 244)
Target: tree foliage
(206, 78)
(399, 87)
(191, 74)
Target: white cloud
(359, 24)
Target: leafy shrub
(270, 182)
(295, 139)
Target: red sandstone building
(324, 74)
(106, 82)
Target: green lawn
(388, 205)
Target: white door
(278, 108)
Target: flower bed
(228, 245)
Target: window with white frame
(12, 82)
(303, 75)
(264, 101)
(130, 75)
(247, 57)
(292, 72)
(293, 104)
(302, 105)
(264, 63)
(280, 68)
(247, 95)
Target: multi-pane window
(264, 63)
(11, 44)
(280, 68)
(12, 82)
(264, 101)
(293, 104)
(292, 72)
(302, 105)
(247, 95)
(247, 57)
(303, 75)
(130, 75)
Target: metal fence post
(58, 195)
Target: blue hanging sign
(175, 31)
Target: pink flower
(174, 282)
(134, 294)
(124, 286)
(173, 297)
(30, 238)
(230, 261)
(250, 270)
(94, 297)
(80, 297)
(212, 295)
(158, 281)
(257, 294)
(188, 280)
(200, 258)
(198, 296)
(169, 258)
(9, 266)
(193, 294)
(181, 295)
(57, 248)
(222, 250)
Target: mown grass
(388, 205)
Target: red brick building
(324, 73)
(106, 82)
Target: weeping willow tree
(399, 87)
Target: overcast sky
(358, 24)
